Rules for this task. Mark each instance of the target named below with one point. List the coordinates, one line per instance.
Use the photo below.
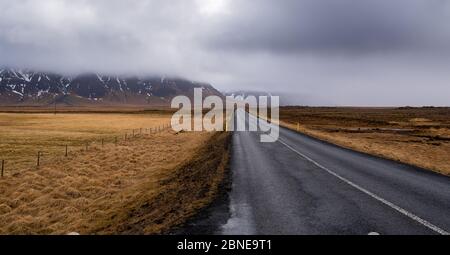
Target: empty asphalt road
(300, 185)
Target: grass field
(417, 136)
(145, 185)
(23, 135)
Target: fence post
(3, 166)
(66, 151)
(38, 159)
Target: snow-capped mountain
(28, 87)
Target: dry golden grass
(86, 109)
(145, 185)
(417, 136)
(180, 193)
(22, 135)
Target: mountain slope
(19, 87)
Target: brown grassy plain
(417, 136)
(144, 185)
(23, 135)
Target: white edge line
(382, 200)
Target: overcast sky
(322, 52)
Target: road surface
(301, 185)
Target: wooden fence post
(67, 150)
(3, 166)
(38, 159)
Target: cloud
(336, 26)
(342, 52)
(80, 35)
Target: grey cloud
(329, 26)
(339, 52)
(104, 35)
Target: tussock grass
(23, 135)
(146, 185)
(177, 196)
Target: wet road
(300, 185)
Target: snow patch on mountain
(95, 87)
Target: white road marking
(382, 200)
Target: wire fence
(67, 149)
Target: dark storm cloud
(335, 25)
(343, 52)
